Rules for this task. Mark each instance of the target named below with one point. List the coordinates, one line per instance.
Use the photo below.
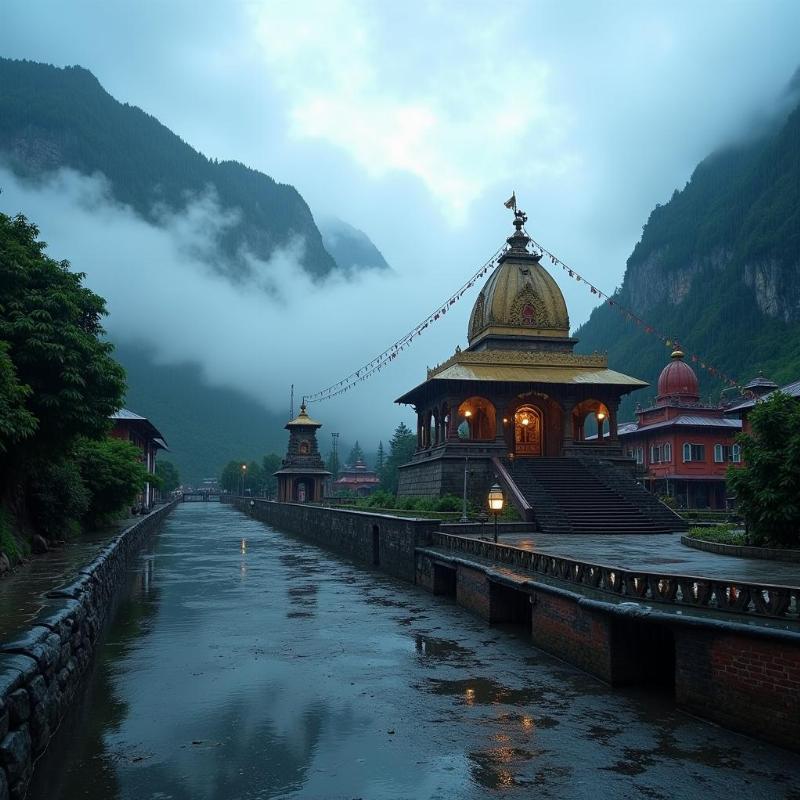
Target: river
(245, 663)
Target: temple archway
(477, 420)
(590, 417)
(528, 431)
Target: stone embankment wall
(378, 540)
(733, 671)
(737, 673)
(41, 671)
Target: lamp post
(464, 517)
(244, 478)
(496, 500)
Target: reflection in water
(303, 682)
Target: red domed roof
(677, 380)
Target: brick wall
(580, 636)
(748, 683)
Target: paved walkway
(23, 592)
(657, 553)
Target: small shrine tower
(302, 477)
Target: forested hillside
(717, 269)
(51, 118)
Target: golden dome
(520, 298)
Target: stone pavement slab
(657, 553)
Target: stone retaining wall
(41, 671)
(380, 540)
(743, 551)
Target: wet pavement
(248, 664)
(657, 553)
(22, 593)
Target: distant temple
(302, 477)
(519, 403)
(357, 479)
(681, 445)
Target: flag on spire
(512, 201)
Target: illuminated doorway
(528, 431)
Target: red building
(683, 447)
(141, 432)
(357, 479)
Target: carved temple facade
(302, 477)
(518, 391)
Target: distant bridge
(201, 496)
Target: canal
(244, 663)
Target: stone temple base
(442, 472)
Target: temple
(518, 402)
(302, 477)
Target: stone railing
(756, 599)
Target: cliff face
(718, 268)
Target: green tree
(231, 478)
(332, 464)
(168, 474)
(271, 463)
(401, 448)
(16, 422)
(254, 478)
(356, 454)
(767, 488)
(113, 472)
(379, 458)
(50, 327)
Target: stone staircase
(571, 495)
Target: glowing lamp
(601, 415)
(467, 413)
(525, 421)
(496, 500)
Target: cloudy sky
(414, 122)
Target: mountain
(717, 269)
(205, 426)
(352, 249)
(52, 118)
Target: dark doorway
(510, 606)
(644, 654)
(376, 546)
(445, 580)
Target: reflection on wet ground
(247, 664)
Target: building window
(694, 452)
(727, 453)
(640, 455)
(655, 454)
(667, 453)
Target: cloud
(161, 290)
(456, 110)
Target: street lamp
(464, 517)
(496, 500)
(244, 477)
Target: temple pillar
(568, 437)
(613, 409)
(452, 425)
(419, 430)
(499, 428)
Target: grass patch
(719, 534)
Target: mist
(259, 336)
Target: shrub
(58, 498)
